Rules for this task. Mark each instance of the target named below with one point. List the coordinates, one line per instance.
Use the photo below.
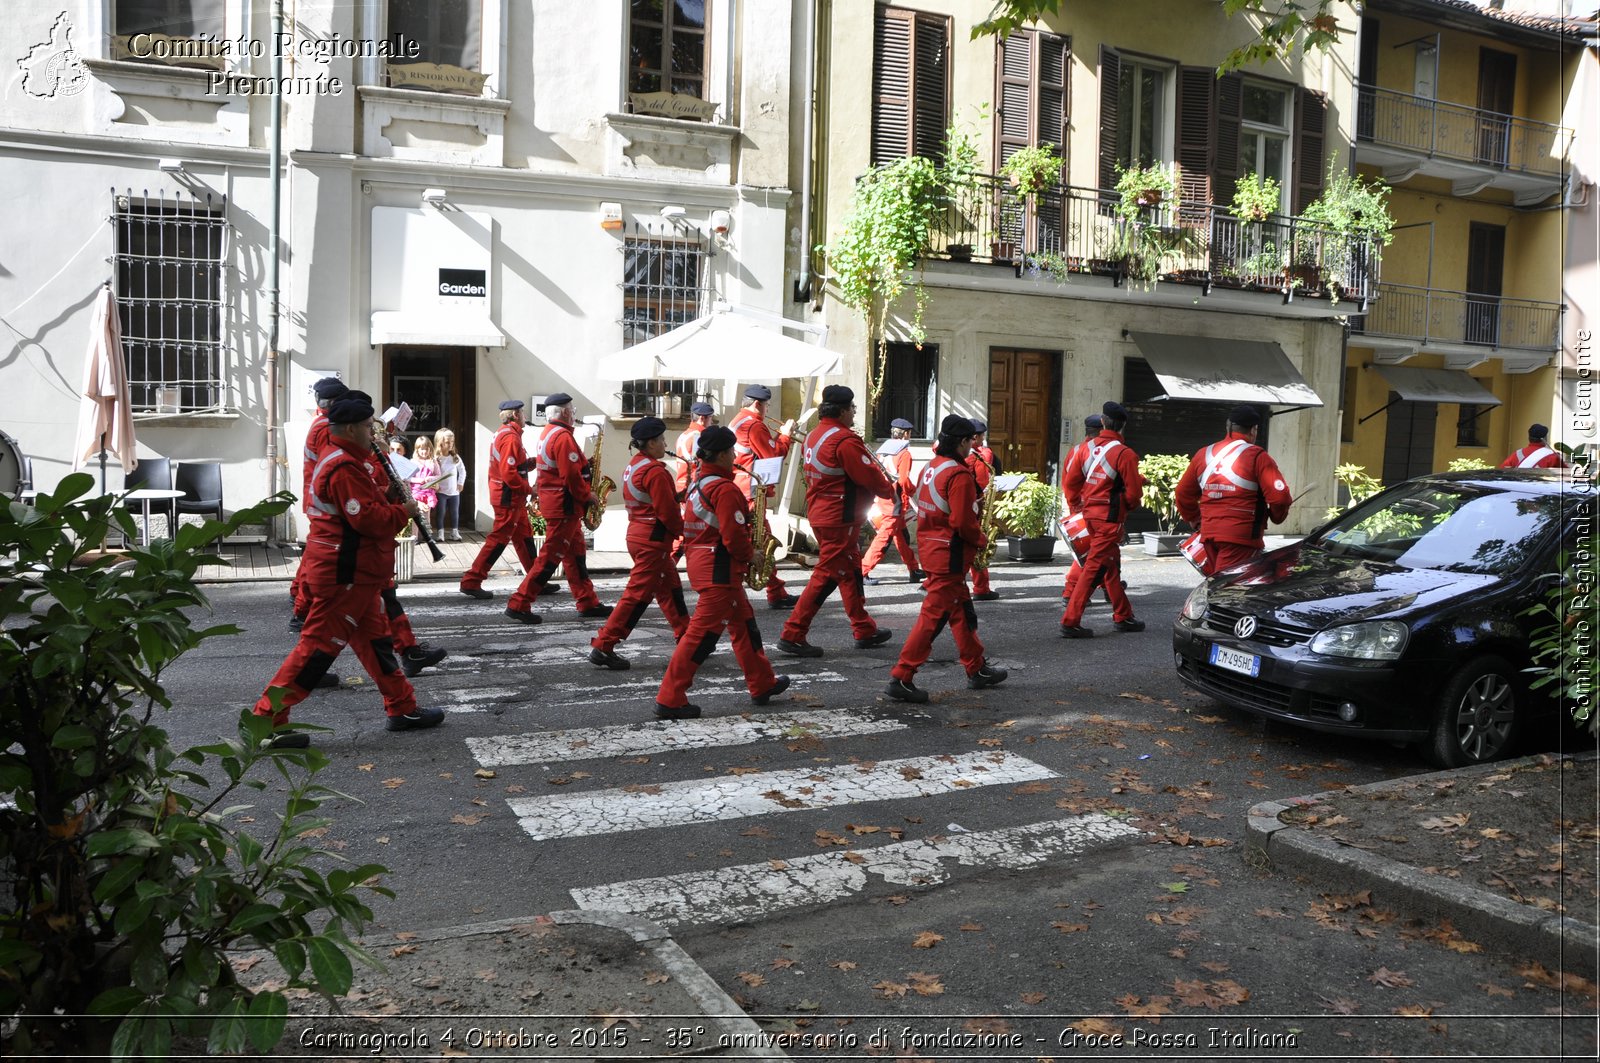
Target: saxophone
(763, 547)
(987, 522)
(601, 484)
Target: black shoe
(524, 616)
(905, 690)
(877, 638)
(777, 688)
(296, 623)
(417, 721)
(677, 712)
(288, 740)
(476, 592)
(608, 659)
(1076, 631)
(788, 601)
(328, 681)
(596, 610)
(869, 581)
(799, 649)
(986, 596)
(917, 575)
(551, 589)
(414, 660)
(987, 676)
(1129, 625)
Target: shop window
(910, 390)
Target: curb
(1548, 938)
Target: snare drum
(13, 467)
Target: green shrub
(1027, 509)
(1161, 474)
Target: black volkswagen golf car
(1399, 620)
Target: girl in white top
(447, 517)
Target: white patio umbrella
(105, 414)
(726, 344)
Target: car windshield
(1455, 527)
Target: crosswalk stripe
(662, 736)
(712, 800)
(746, 891)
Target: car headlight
(1379, 640)
(1195, 606)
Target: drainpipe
(275, 159)
(808, 50)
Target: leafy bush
(1255, 198)
(1027, 509)
(1034, 169)
(1564, 657)
(1161, 474)
(130, 873)
(1358, 483)
(1467, 464)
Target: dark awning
(1436, 385)
(1224, 370)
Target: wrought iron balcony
(1443, 320)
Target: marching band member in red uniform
(1538, 454)
(754, 441)
(1105, 485)
(508, 493)
(564, 495)
(895, 511)
(1091, 429)
(349, 559)
(949, 535)
(985, 467)
(1229, 490)
(655, 521)
(716, 526)
(841, 478)
(326, 390)
(702, 415)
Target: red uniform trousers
(838, 565)
(947, 602)
(340, 616)
(891, 528)
(1102, 565)
(654, 575)
(563, 541)
(1225, 555)
(1073, 575)
(720, 606)
(511, 528)
(776, 591)
(399, 623)
(980, 580)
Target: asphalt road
(990, 870)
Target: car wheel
(1475, 719)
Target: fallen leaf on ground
(656, 977)
(1340, 1005)
(470, 821)
(1414, 1010)
(1496, 990)
(844, 965)
(1033, 998)
(889, 990)
(927, 940)
(1446, 823)
(1392, 979)
(365, 767)
(751, 979)
(483, 773)
(924, 984)
(402, 950)
(393, 783)
(971, 928)
(782, 963)
(1070, 928)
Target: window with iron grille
(910, 390)
(1469, 425)
(170, 267)
(665, 283)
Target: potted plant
(1161, 474)
(958, 176)
(1353, 215)
(1255, 198)
(1033, 170)
(1026, 512)
(1142, 188)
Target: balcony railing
(1430, 315)
(1078, 230)
(1466, 134)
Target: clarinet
(404, 488)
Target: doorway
(1408, 440)
(1025, 409)
(438, 383)
(1486, 258)
(1497, 85)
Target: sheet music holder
(890, 447)
(1008, 481)
(766, 471)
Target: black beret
(979, 427)
(902, 424)
(1538, 431)
(1115, 411)
(560, 398)
(1244, 416)
(352, 407)
(1093, 423)
(955, 426)
(511, 404)
(702, 409)
(759, 392)
(647, 428)
(715, 440)
(329, 387)
(838, 395)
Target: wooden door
(1024, 409)
(1408, 440)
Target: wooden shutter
(1225, 160)
(1196, 89)
(930, 76)
(1053, 74)
(1310, 158)
(1110, 86)
(1013, 95)
(891, 84)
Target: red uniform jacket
(842, 476)
(1534, 456)
(716, 531)
(353, 523)
(753, 439)
(1230, 489)
(1074, 456)
(1105, 485)
(317, 440)
(687, 465)
(904, 487)
(948, 532)
(508, 488)
(975, 461)
(651, 501)
(560, 464)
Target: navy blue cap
(715, 440)
(1244, 416)
(647, 428)
(759, 392)
(1093, 423)
(702, 409)
(560, 398)
(955, 426)
(1538, 431)
(838, 395)
(902, 424)
(352, 407)
(329, 387)
(978, 427)
(1115, 411)
(511, 404)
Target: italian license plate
(1234, 661)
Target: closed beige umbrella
(105, 416)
